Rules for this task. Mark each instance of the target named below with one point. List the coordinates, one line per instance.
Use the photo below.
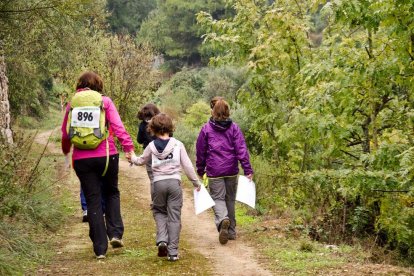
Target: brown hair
(161, 124)
(214, 101)
(90, 80)
(148, 111)
(221, 110)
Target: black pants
(97, 187)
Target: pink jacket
(115, 127)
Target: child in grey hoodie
(168, 155)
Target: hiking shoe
(162, 249)
(100, 257)
(116, 243)
(232, 237)
(224, 231)
(173, 258)
(85, 216)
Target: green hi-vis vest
(86, 120)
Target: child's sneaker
(85, 216)
(100, 257)
(116, 243)
(224, 231)
(173, 258)
(162, 249)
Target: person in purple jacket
(220, 147)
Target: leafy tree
(336, 119)
(38, 38)
(131, 81)
(127, 16)
(197, 114)
(172, 28)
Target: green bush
(197, 115)
(27, 204)
(187, 136)
(187, 87)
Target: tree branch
(350, 154)
(28, 9)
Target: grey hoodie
(167, 164)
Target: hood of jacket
(220, 125)
(168, 149)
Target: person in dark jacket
(144, 136)
(220, 147)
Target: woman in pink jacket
(90, 164)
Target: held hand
(250, 177)
(198, 187)
(128, 155)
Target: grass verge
(52, 119)
(289, 251)
(32, 206)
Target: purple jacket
(220, 145)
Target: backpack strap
(107, 157)
(107, 141)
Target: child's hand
(198, 187)
(128, 155)
(250, 177)
(133, 159)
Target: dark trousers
(83, 202)
(97, 188)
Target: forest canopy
(336, 117)
(323, 91)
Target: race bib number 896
(87, 116)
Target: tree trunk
(5, 130)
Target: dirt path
(73, 249)
(235, 258)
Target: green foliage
(189, 86)
(48, 37)
(54, 114)
(130, 79)
(225, 81)
(27, 205)
(180, 92)
(197, 115)
(127, 16)
(187, 136)
(335, 120)
(188, 127)
(301, 256)
(172, 28)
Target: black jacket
(144, 137)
